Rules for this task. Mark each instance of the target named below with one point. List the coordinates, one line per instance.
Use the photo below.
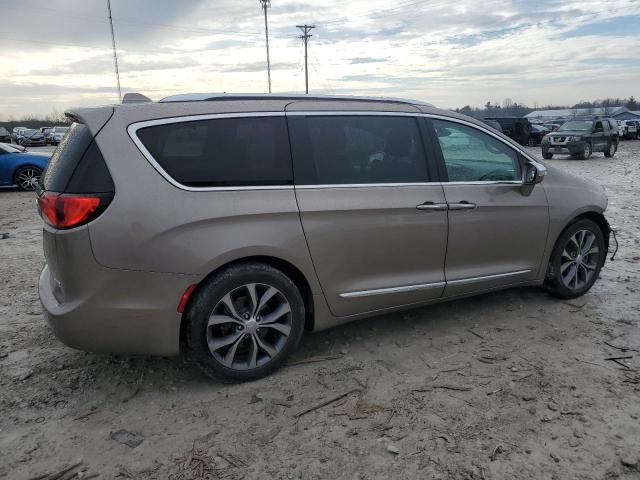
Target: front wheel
(244, 322)
(586, 152)
(27, 178)
(576, 260)
(547, 156)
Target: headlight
(574, 139)
(546, 138)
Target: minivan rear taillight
(69, 210)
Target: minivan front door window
(473, 156)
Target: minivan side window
(222, 152)
(357, 149)
(471, 155)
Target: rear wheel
(244, 322)
(611, 150)
(576, 260)
(27, 178)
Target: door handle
(464, 205)
(431, 206)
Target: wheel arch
(593, 215)
(293, 272)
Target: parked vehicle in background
(57, 134)
(31, 137)
(16, 133)
(622, 129)
(46, 131)
(537, 134)
(320, 216)
(631, 127)
(517, 128)
(552, 127)
(5, 136)
(20, 167)
(493, 124)
(580, 138)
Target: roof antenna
(115, 53)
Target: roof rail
(200, 97)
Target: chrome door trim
(464, 281)
(384, 291)
(366, 185)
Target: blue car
(20, 167)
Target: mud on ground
(508, 385)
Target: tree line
(509, 108)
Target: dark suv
(518, 128)
(580, 138)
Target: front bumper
(30, 143)
(569, 148)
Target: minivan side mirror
(534, 173)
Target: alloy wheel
(249, 326)
(579, 260)
(28, 178)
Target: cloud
(360, 60)
(58, 53)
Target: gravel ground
(513, 384)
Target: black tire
(611, 150)
(209, 298)
(586, 153)
(555, 282)
(22, 176)
(547, 156)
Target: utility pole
(266, 4)
(115, 53)
(305, 29)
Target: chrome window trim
(464, 281)
(134, 127)
(385, 291)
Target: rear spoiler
(94, 118)
(135, 98)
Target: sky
(56, 54)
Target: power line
(305, 29)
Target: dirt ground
(511, 385)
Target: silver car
(227, 226)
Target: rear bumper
(94, 308)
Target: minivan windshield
(576, 126)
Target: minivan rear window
(65, 158)
(243, 151)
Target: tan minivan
(225, 226)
